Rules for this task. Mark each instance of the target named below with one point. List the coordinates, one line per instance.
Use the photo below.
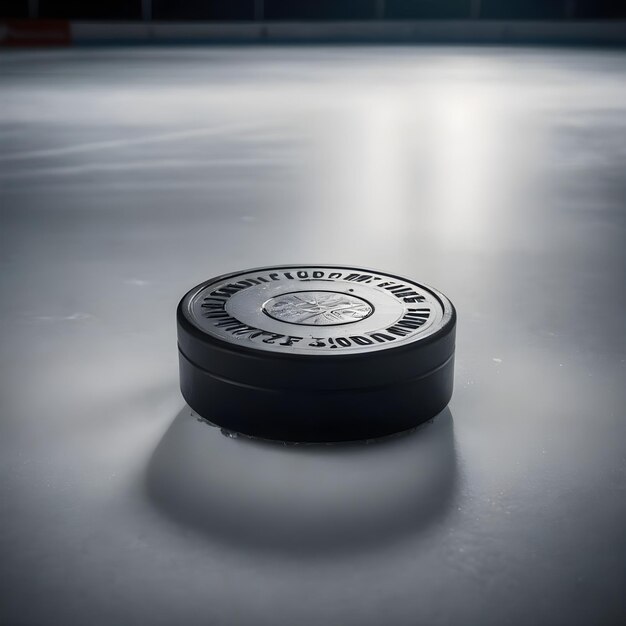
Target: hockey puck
(315, 353)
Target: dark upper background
(317, 9)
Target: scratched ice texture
(129, 175)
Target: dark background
(318, 9)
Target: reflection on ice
(298, 499)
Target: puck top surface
(316, 310)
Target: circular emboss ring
(304, 310)
(317, 308)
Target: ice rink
(128, 175)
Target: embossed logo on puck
(316, 310)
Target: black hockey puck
(315, 353)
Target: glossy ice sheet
(496, 175)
